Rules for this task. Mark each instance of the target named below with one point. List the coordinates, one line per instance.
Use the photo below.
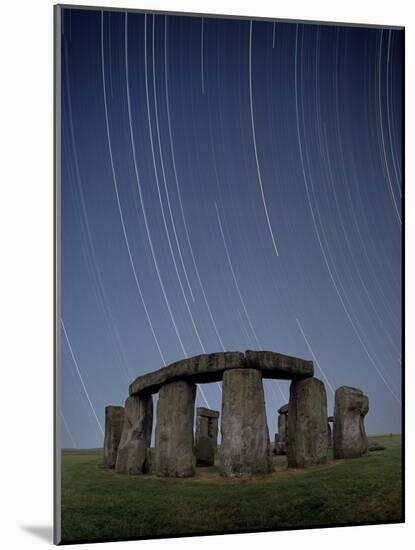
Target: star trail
(228, 184)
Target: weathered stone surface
(280, 445)
(375, 446)
(277, 365)
(202, 426)
(210, 413)
(198, 369)
(114, 419)
(150, 464)
(307, 433)
(282, 427)
(174, 456)
(136, 435)
(206, 429)
(207, 424)
(283, 409)
(349, 436)
(245, 447)
(205, 453)
(213, 432)
(279, 448)
(210, 368)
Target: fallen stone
(349, 435)
(307, 412)
(136, 435)
(114, 419)
(375, 446)
(174, 456)
(245, 447)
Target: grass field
(99, 504)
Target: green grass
(99, 504)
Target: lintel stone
(208, 368)
(203, 411)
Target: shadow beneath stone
(44, 532)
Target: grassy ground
(99, 504)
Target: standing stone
(136, 435)
(205, 453)
(307, 411)
(282, 427)
(280, 440)
(213, 429)
(206, 435)
(245, 447)
(281, 445)
(349, 437)
(275, 449)
(174, 456)
(114, 418)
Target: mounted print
(229, 225)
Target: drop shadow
(43, 532)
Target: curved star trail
(255, 145)
(74, 445)
(87, 241)
(331, 268)
(228, 185)
(75, 362)
(179, 193)
(114, 179)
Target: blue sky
(228, 185)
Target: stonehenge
(245, 448)
(307, 411)
(206, 435)
(304, 433)
(349, 435)
(114, 419)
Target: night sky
(228, 185)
